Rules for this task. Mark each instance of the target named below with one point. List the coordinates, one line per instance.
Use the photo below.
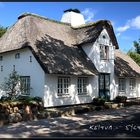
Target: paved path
(124, 122)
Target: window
(1, 69)
(103, 52)
(30, 58)
(17, 55)
(1, 58)
(132, 84)
(82, 85)
(63, 85)
(25, 85)
(122, 84)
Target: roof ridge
(92, 23)
(42, 17)
(56, 21)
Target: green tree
(11, 85)
(2, 30)
(135, 56)
(137, 46)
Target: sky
(124, 16)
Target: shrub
(98, 101)
(5, 98)
(120, 99)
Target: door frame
(107, 96)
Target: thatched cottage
(67, 62)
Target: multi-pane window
(1, 58)
(17, 55)
(1, 68)
(25, 85)
(63, 85)
(82, 85)
(132, 84)
(103, 52)
(122, 84)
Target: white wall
(25, 68)
(129, 93)
(75, 19)
(103, 66)
(51, 98)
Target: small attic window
(17, 55)
(104, 36)
(1, 58)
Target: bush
(120, 99)
(98, 101)
(5, 98)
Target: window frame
(28, 85)
(123, 86)
(82, 86)
(63, 84)
(104, 52)
(132, 86)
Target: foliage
(137, 46)
(2, 30)
(135, 56)
(120, 99)
(11, 85)
(98, 101)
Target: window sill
(63, 96)
(122, 92)
(84, 94)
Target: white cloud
(118, 34)
(88, 14)
(135, 22)
(123, 28)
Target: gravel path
(123, 122)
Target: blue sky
(125, 16)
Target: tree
(135, 56)
(2, 30)
(11, 85)
(137, 46)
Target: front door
(104, 86)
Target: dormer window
(1, 58)
(104, 52)
(17, 55)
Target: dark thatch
(125, 66)
(55, 44)
(90, 32)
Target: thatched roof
(55, 44)
(90, 32)
(125, 66)
(51, 43)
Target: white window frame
(82, 83)
(104, 52)
(122, 84)
(25, 84)
(63, 86)
(132, 84)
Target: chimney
(73, 16)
